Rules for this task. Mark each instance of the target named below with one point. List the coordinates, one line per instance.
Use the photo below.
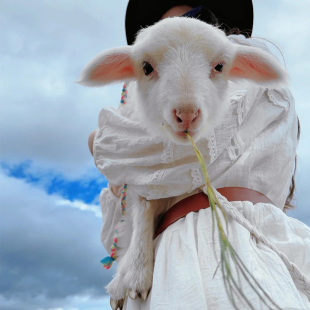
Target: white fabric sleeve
(111, 213)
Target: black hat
(230, 14)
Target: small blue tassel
(107, 262)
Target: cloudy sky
(50, 217)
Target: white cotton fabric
(185, 262)
(254, 148)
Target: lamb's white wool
(192, 63)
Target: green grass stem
(228, 253)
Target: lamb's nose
(186, 118)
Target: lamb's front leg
(135, 270)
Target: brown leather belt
(200, 201)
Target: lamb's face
(180, 65)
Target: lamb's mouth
(179, 136)
(183, 133)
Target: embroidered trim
(236, 147)
(242, 106)
(213, 152)
(241, 111)
(167, 156)
(272, 97)
(197, 177)
(157, 175)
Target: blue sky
(73, 189)
(50, 216)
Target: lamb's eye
(219, 67)
(147, 68)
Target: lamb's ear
(113, 65)
(259, 66)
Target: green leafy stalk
(228, 254)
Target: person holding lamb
(189, 76)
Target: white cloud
(45, 117)
(70, 303)
(79, 205)
(50, 250)
(55, 309)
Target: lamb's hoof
(134, 294)
(117, 304)
(144, 294)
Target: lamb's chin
(180, 137)
(166, 133)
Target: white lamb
(178, 70)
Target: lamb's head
(182, 67)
